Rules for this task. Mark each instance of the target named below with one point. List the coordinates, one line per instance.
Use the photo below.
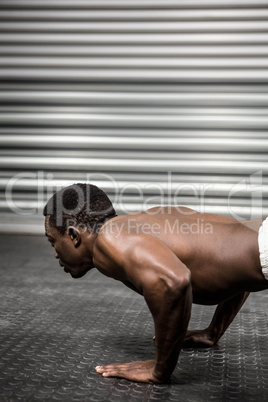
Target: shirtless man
(173, 256)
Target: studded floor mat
(55, 330)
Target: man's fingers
(118, 367)
(111, 373)
(113, 370)
(106, 369)
(107, 372)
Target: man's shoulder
(114, 248)
(123, 235)
(114, 228)
(117, 232)
(111, 238)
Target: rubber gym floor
(55, 330)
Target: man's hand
(198, 339)
(141, 371)
(223, 316)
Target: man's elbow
(179, 284)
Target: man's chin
(77, 276)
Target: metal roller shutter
(157, 102)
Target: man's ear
(75, 235)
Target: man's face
(74, 258)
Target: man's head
(81, 205)
(74, 216)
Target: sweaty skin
(174, 257)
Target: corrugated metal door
(157, 102)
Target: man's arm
(222, 318)
(165, 283)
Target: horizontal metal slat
(139, 133)
(134, 154)
(139, 26)
(135, 14)
(136, 38)
(110, 165)
(138, 98)
(134, 3)
(164, 121)
(240, 187)
(236, 76)
(142, 50)
(168, 181)
(121, 110)
(137, 87)
(195, 63)
(181, 144)
(129, 204)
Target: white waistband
(263, 247)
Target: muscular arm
(170, 305)
(222, 318)
(157, 273)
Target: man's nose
(56, 255)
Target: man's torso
(221, 253)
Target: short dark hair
(80, 204)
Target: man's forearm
(171, 321)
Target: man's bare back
(221, 252)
